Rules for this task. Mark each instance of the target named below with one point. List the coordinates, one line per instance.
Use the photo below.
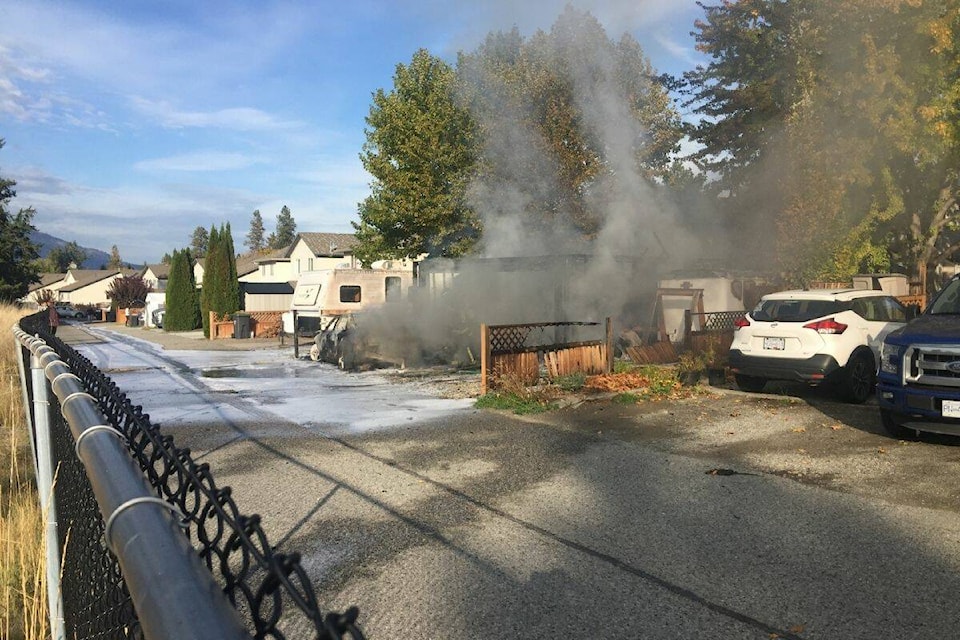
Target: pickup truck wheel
(894, 428)
(858, 378)
(752, 384)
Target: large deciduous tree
(18, 254)
(420, 151)
(820, 124)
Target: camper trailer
(325, 303)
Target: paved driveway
(723, 516)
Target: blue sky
(131, 123)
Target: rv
(325, 302)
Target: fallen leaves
(799, 429)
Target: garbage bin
(133, 320)
(241, 325)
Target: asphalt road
(720, 516)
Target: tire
(752, 384)
(858, 378)
(893, 428)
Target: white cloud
(235, 118)
(199, 161)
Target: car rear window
(796, 310)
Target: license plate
(951, 409)
(776, 344)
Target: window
(393, 290)
(796, 310)
(309, 264)
(350, 293)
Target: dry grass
(23, 607)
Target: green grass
(627, 398)
(571, 381)
(519, 405)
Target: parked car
(67, 311)
(918, 387)
(816, 336)
(157, 317)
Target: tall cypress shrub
(210, 281)
(182, 306)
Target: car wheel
(894, 428)
(753, 384)
(859, 376)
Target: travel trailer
(324, 302)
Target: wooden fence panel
(656, 353)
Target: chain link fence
(270, 593)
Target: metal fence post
(45, 481)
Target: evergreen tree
(256, 241)
(182, 305)
(60, 258)
(199, 242)
(233, 297)
(18, 254)
(286, 230)
(116, 262)
(210, 281)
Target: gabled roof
(327, 244)
(86, 277)
(277, 255)
(161, 270)
(47, 279)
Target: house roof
(47, 279)
(277, 255)
(161, 270)
(327, 244)
(87, 277)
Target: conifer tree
(182, 304)
(207, 291)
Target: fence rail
(130, 569)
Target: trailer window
(349, 293)
(392, 291)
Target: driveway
(721, 516)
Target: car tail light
(828, 326)
(740, 323)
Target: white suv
(815, 336)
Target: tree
(286, 230)
(128, 291)
(116, 262)
(182, 303)
(166, 259)
(221, 290)
(420, 152)
(255, 237)
(810, 123)
(17, 253)
(210, 281)
(59, 259)
(199, 242)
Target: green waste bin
(241, 325)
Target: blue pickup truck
(918, 384)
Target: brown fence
(506, 351)
(263, 324)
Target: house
(156, 275)
(316, 251)
(89, 287)
(266, 280)
(49, 281)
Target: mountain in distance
(46, 243)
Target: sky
(131, 123)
